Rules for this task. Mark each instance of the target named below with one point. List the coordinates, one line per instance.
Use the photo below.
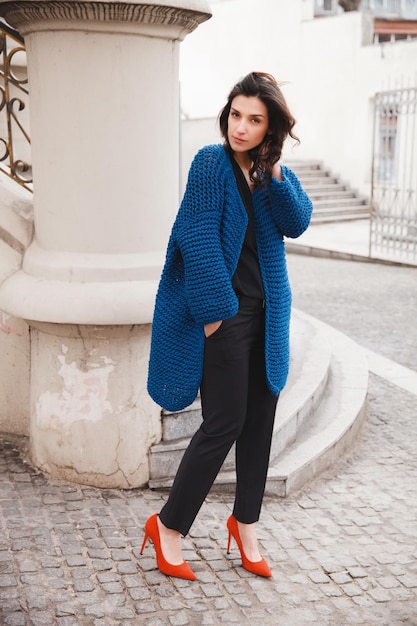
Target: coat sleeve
(208, 286)
(291, 206)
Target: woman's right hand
(209, 329)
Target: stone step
(315, 181)
(315, 176)
(16, 214)
(331, 203)
(325, 187)
(340, 216)
(339, 211)
(332, 198)
(363, 209)
(332, 428)
(300, 405)
(302, 165)
(332, 216)
(307, 381)
(177, 425)
(308, 169)
(310, 361)
(307, 377)
(333, 195)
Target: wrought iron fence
(393, 233)
(14, 123)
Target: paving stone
(127, 567)
(139, 593)
(243, 601)
(7, 581)
(41, 618)
(95, 611)
(229, 617)
(319, 577)
(340, 578)
(98, 554)
(180, 619)
(228, 576)
(171, 604)
(120, 555)
(15, 619)
(67, 609)
(114, 587)
(76, 560)
(211, 591)
(404, 595)
(145, 607)
(122, 613)
(380, 595)
(352, 589)
(409, 581)
(363, 601)
(35, 599)
(102, 565)
(83, 584)
(388, 582)
(357, 572)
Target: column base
(96, 303)
(92, 421)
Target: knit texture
(203, 251)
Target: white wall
(242, 36)
(331, 77)
(341, 76)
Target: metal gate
(393, 232)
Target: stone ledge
(323, 421)
(335, 425)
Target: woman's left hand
(209, 329)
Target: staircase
(318, 416)
(333, 200)
(16, 224)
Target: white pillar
(104, 104)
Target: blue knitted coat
(196, 287)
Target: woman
(222, 314)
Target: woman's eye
(256, 120)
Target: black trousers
(237, 406)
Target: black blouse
(247, 279)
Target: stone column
(104, 105)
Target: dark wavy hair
(281, 123)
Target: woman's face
(247, 123)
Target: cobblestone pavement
(343, 551)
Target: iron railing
(393, 233)
(14, 134)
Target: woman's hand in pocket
(210, 329)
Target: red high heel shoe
(256, 567)
(179, 571)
